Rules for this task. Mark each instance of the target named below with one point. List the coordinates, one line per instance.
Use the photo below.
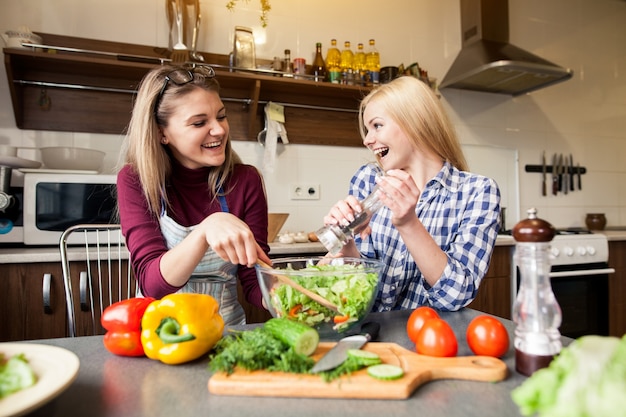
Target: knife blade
(544, 186)
(566, 177)
(571, 170)
(339, 353)
(555, 176)
(580, 185)
(560, 169)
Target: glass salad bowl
(349, 284)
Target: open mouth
(381, 152)
(212, 145)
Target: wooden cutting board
(418, 369)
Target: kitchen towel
(275, 130)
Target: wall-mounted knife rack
(539, 168)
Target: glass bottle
(318, 66)
(347, 64)
(333, 60)
(360, 67)
(373, 63)
(536, 312)
(335, 236)
(287, 64)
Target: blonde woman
(193, 215)
(439, 223)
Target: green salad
(350, 287)
(15, 374)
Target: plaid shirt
(460, 211)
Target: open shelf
(92, 90)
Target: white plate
(55, 367)
(55, 171)
(17, 162)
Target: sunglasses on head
(182, 76)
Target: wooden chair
(96, 274)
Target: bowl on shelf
(351, 284)
(275, 222)
(80, 159)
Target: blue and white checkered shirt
(460, 211)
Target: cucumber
(302, 338)
(385, 372)
(364, 357)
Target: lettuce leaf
(15, 375)
(587, 379)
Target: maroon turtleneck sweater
(190, 204)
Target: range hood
(489, 63)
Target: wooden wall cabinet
(88, 85)
(494, 294)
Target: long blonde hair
(143, 150)
(419, 113)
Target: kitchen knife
(555, 176)
(339, 353)
(560, 171)
(571, 170)
(580, 185)
(544, 186)
(566, 177)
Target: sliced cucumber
(302, 338)
(385, 372)
(364, 357)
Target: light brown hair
(418, 112)
(143, 150)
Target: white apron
(212, 276)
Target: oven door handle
(580, 273)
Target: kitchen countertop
(111, 386)
(614, 234)
(51, 253)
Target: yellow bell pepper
(181, 327)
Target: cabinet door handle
(47, 282)
(84, 278)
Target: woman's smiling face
(385, 138)
(197, 131)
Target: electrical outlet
(304, 192)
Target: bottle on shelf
(373, 63)
(318, 66)
(287, 64)
(333, 60)
(347, 64)
(360, 67)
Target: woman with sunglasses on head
(438, 225)
(193, 215)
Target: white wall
(585, 116)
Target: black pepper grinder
(536, 312)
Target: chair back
(96, 274)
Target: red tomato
(486, 335)
(436, 338)
(417, 319)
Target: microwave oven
(52, 202)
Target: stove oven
(579, 278)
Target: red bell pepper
(122, 320)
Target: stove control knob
(555, 252)
(591, 250)
(582, 251)
(568, 251)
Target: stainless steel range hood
(489, 63)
